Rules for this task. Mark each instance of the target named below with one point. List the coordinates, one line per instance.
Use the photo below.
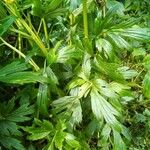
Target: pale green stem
(45, 31)
(21, 33)
(104, 9)
(34, 37)
(39, 28)
(19, 43)
(85, 20)
(20, 22)
(21, 54)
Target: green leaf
(59, 138)
(125, 24)
(66, 53)
(38, 134)
(37, 8)
(76, 117)
(146, 62)
(51, 75)
(64, 102)
(43, 99)
(137, 33)
(86, 67)
(6, 23)
(72, 142)
(74, 4)
(103, 109)
(104, 88)
(76, 82)
(92, 127)
(107, 21)
(103, 44)
(118, 142)
(126, 133)
(146, 85)
(40, 130)
(19, 115)
(23, 77)
(139, 52)
(53, 5)
(69, 105)
(119, 41)
(55, 13)
(14, 73)
(118, 87)
(79, 10)
(119, 7)
(11, 143)
(8, 128)
(84, 89)
(9, 117)
(49, 146)
(14, 67)
(105, 134)
(127, 73)
(109, 69)
(3, 12)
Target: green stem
(45, 31)
(21, 33)
(19, 43)
(104, 9)
(35, 37)
(22, 23)
(39, 28)
(21, 54)
(85, 21)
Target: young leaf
(60, 134)
(72, 142)
(40, 130)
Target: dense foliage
(75, 74)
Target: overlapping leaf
(14, 73)
(103, 109)
(8, 123)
